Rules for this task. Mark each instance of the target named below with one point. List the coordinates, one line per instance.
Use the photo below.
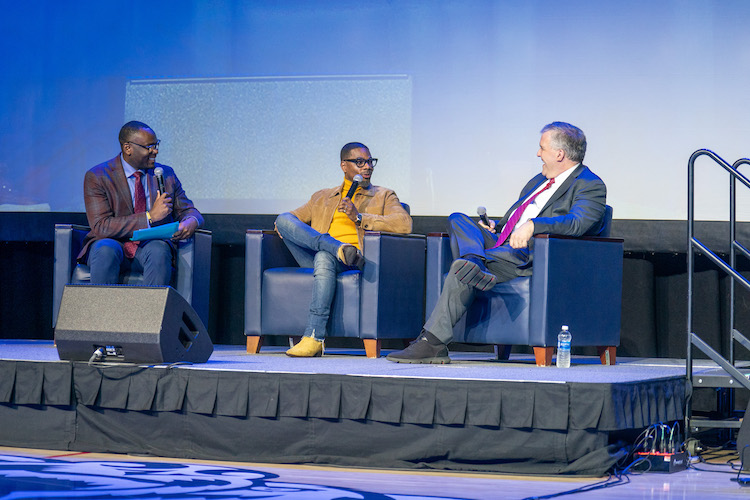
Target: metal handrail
(734, 247)
(696, 245)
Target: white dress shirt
(536, 206)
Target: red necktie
(511, 224)
(140, 207)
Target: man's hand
(162, 207)
(346, 206)
(521, 236)
(277, 231)
(490, 228)
(186, 229)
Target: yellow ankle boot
(308, 347)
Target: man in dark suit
(566, 198)
(121, 196)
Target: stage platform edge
(219, 412)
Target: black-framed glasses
(150, 147)
(360, 162)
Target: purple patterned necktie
(511, 224)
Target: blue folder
(163, 232)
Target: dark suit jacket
(109, 206)
(576, 209)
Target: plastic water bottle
(563, 348)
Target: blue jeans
(153, 258)
(318, 251)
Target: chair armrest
(68, 243)
(397, 235)
(579, 238)
(193, 271)
(263, 250)
(588, 269)
(392, 290)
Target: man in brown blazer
(327, 234)
(121, 196)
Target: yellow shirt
(342, 227)
(380, 208)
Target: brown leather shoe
(350, 256)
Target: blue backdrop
(649, 82)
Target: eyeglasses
(361, 161)
(150, 147)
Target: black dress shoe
(425, 349)
(472, 271)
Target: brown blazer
(380, 208)
(109, 206)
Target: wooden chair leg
(502, 352)
(372, 347)
(254, 343)
(607, 354)
(543, 355)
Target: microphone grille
(481, 211)
(357, 178)
(158, 171)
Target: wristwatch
(359, 220)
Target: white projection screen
(263, 145)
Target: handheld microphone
(355, 182)
(482, 213)
(159, 174)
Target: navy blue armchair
(191, 278)
(576, 282)
(383, 300)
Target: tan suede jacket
(380, 208)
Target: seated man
(121, 196)
(326, 233)
(565, 199)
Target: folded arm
(585, 213)
(394, 218)
(184, 211)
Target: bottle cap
(565, 327)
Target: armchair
(190, 279)
(576, 282)
(383, 300)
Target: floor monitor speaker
(131, 324)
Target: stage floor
(475, 414)
(463, 366)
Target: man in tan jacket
(326, 234)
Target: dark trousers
(107, 261)
(467, 238)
